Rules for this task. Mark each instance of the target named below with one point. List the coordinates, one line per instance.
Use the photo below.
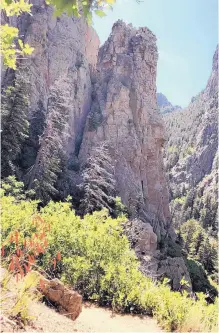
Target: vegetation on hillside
(202, 256)
(96, 255)
(96, 259)
(191, 163)
(199, 245)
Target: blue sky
(187, 35)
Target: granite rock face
(124, 113)
(112, 101)
(153, 262)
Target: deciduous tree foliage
(11, 45)
(80, 8)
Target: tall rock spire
(124, 113)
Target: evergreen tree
(199, 245)
(31, 144)
(187, 231)
(98, 181)
(207, 255)
(43, 175)
(197, 239)
(15, 124)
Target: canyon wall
(191, 156)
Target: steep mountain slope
(191, 155)
(75, 105)
(164, 105)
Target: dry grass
(16, 298)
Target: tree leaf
(100, 13)
(89, 19)
(111, 2)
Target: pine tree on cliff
(15, 124)
(207, 255)
(98, 181)
(31, 145)
(43, 175)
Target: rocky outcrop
(164, 105)
(124, 113)
(69, 302)
(191, 156)
(174, 269)
(155, 263)
(141, 236)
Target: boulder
(69, 302)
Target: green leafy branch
(9, 34)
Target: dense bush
(199, 278)
(98, 262)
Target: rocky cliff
(191, 156)
(164, 105)
(108, 95)
(124, 109)
(114, 101)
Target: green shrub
(98, 262)
(10, 186)
(95, 253)
(188, 151)
(172, 149)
